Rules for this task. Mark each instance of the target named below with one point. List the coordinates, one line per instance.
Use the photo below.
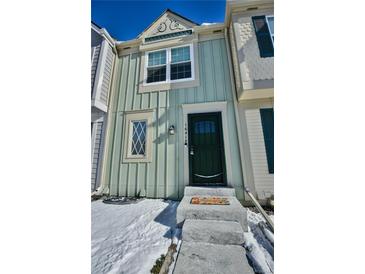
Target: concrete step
(206, 258)
(215, 232)
(209, 191)
(234, 212)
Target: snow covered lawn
(129, 238)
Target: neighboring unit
(251, 33)
(102, 63)
(172, 112)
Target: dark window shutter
(267, 121)
(263, 36)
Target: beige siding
(255, 67)
(97, 151)
(95, 52)
(264, 182)
(107, 75)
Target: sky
(124, 20)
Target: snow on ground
(129, 238)
(260, 250)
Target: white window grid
(270, 30)
(168, 66)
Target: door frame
(218, 114)
(204, 108)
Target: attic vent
(217, 31)
(253, 8)
(169, 35)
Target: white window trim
(168, 66)
(130, 117)
(268, 26)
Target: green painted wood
(123, 179)
(164, 176)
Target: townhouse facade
(192, 105)
(172, 117)
(102, 62)
(251, 33)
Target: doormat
(209, 201)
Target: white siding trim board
(264, 181)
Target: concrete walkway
(212, 235)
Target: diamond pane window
(138, 146)
(180, 54)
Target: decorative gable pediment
(167, 23)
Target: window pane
(157, 58)
(156, 74)
(260, 24)
(181, 71)
(180, 54)
(204, 127)
(139, 138)
(271, 24)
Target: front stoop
(209, 191)
(212, 235)
(214, 232)
(205, 258)
(233, 212)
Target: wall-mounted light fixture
(172, 130)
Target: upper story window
(156, 70)
(264, 28)
(170, 65)
(180, 63)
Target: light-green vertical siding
(163, 177)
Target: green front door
(206, 150)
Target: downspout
(234, 96)
(103, 184)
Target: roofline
(197, 29)
(103, 32)
(243, 6)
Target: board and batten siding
(264, 181)
(163, 177)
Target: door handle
(191, 150)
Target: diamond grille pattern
(139, 138)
